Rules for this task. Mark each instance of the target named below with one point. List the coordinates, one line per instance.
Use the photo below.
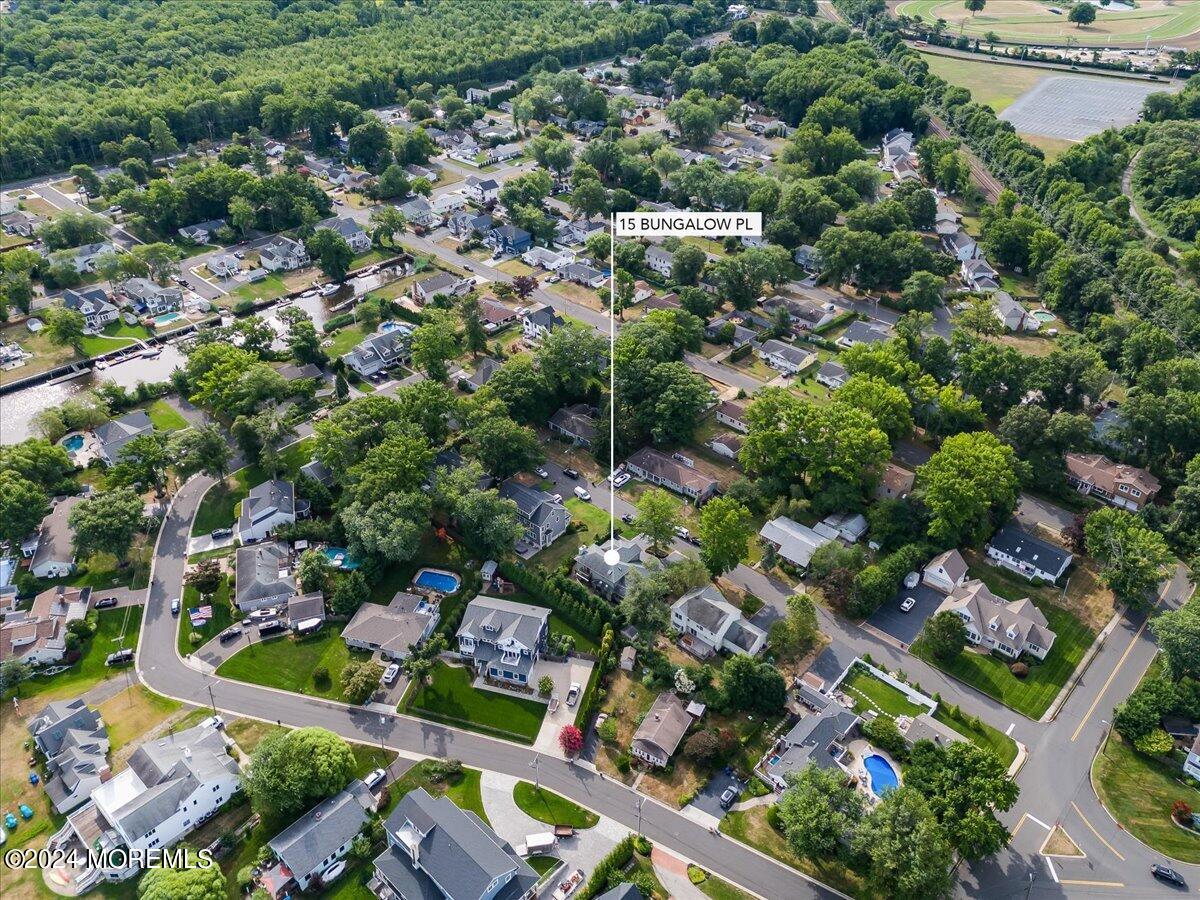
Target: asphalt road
(160, 668)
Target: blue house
(510, 239)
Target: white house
(659, 260)
(832, 374)
(550, 260)
(1015, 549)
(282, 255)
(539, 321)
(784, 357)
(444, 204)
(1009, 628)
(1191, 765)
(794, 542)
(1012, 315)
(174, 783)
(712, 624)
(269, 505)
(93, 303)
(354, 234)
(946, 571)
(481, 189)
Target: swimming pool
(437, 580)
(883, 776)
(340, 557)
(166, 319)
(1043, 315)
(74, 443)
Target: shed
(628, 658)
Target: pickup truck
(553, 705)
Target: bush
(333, 324)
(243, 307)
(1019, 669)
(608, 730)
(696, 875)
(545, 685)
(321, 675)
(623, 763)
(883, 733)
(1182, 813)
(642, 844)
(1156, 743)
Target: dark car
(230, 633)
(1170, 876)
(106, 603)
(627, 518)
(571, 473)
(217, 533)
(728, 797)
(120, 658)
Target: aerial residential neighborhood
(385, 515)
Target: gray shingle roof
(258, 582)
(491, 619)
(305, 844)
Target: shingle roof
(305, 844)
(664, 726)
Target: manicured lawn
(464, 790)
(1138, 790)
(1032, 695)
(271, 286)
(165, 417)
(596, 528)
(584, 642)
(219, 508)
(221, 619)
(93, 345)
(882, 696)
(288, 664)
(547, 806)
(543, 864)
(451, 700)
(984, 735)
(115, 628)
(719, 889)
(346, 339)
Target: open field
(997, 85)
(1030, 21)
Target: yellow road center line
(1079, 812)
(1120, 662)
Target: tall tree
(910, 858)
(292, 770)
(106, 523)
(725, 530)
(969, 486)
(817, 810)
(1135, 557)
(657, 516)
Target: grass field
(221, 618)
(134, 712)
(1031, 21)
(289, 664)
(997, 85)
(547, 806)
(219, 507)
(1138, 790)
(450, 699)
(165, 417)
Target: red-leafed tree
(570, 739)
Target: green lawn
(219, 507)
(883, 696)
(548, 807)
(464, 790)
(596, 528)
(165, 417)
(221, 619)
(543, 864)
(271, 286)
(719, 889)
(451, 700)
(984, 735)
(115, 628)
(1138, 790)
(94, 345)
(997, 85)
(288, 664)
(346, 339)
(1032, 695)
(583, 642)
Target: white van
(582, 494)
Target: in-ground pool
(74, 443)
(437, 580)
(883, 776)
(1043, 315)
(340, 557)
(166, 319)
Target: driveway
(905, 626)
(1032, 511)
(574, 670)
(832, 662)
(708, 798)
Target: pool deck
(860, 749)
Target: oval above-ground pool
(437, 580)
(883, 777)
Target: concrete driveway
(905, 626)
(574, 670)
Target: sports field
(1031, 21)
(997, 85)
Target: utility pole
(211, 701)
(640, 801)
(536, 765)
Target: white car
(682, 532)
(175, 607)
(541, 473)
(907, 604)
(573, 693)
(391, 673)
(583, 494)
(213, 722)
(912, 579)
(374, 778)
(622, 478)
(557, 498)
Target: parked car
(912, 579)
(682, 532)
(541, 473)
(375, 778)
(728, 797)
(272, 627)
(571, 473)
(119, 658)
(106, 603)
(557, 498)
(1169, 875)
(175, 607)
(213, 722)
(391, 673)
(583, 494)
(262, 615)
(573, 693)
(627, 518)
(230, 633)
(622, 478)
(907, 604)
(218, 534)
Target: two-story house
(539, 321)
(611, 581)
(1009, 628)
(1127, 487)
(544, 519)
(282, 255)
(152, 299)
(269, 505)
(660, 260)
(354, 234)
(437, 851)
(1015, 549)
(711, 624)
(75, 743)
(263, 577)
(786, 358)
(94, 305)
(503, 639)
(381, 351)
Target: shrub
(440, 770)
(883, 733)
(608, 730)
(623, 763)
(1181, 812)
(1019, 669)
(1155, 743)
(321, 675)
(642, 844)
(243, 307)
(545, 685)
(696, 875)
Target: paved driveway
(1032, 511)
(905, 626)
(708, 798)
(574, 670)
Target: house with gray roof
(661, 730)
(794, 542)
(1008, 627)
(394, 629)
(611, 581)
(583, 275)
(441, 283)
(463, 224)
(282, 255)
(484, 370)
(263, 576)
(502, 638)
(269, 505)
(545, 519)
(201, 232)
(539, 321)
(225, 265)
(417, 211)
(650, 465)
(349, 229)
(509, 239)
(784, 357)
(75, 743)
(305, 612)
(625, 891)
(23, 224)
(576, 423)
(437, 851)
(381, 351)
(808, 257)
(173, 784)
(114, 434)
(710, 624)
(817, 739)
(94, 305)
(318, 839)
(84, 258)
(54, 555)
(1015, 549)
(860, 332)
(660, 260)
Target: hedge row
(565, 596)
(608, 869)
(875, 584)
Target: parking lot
(905, 626)
(1074, 107)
